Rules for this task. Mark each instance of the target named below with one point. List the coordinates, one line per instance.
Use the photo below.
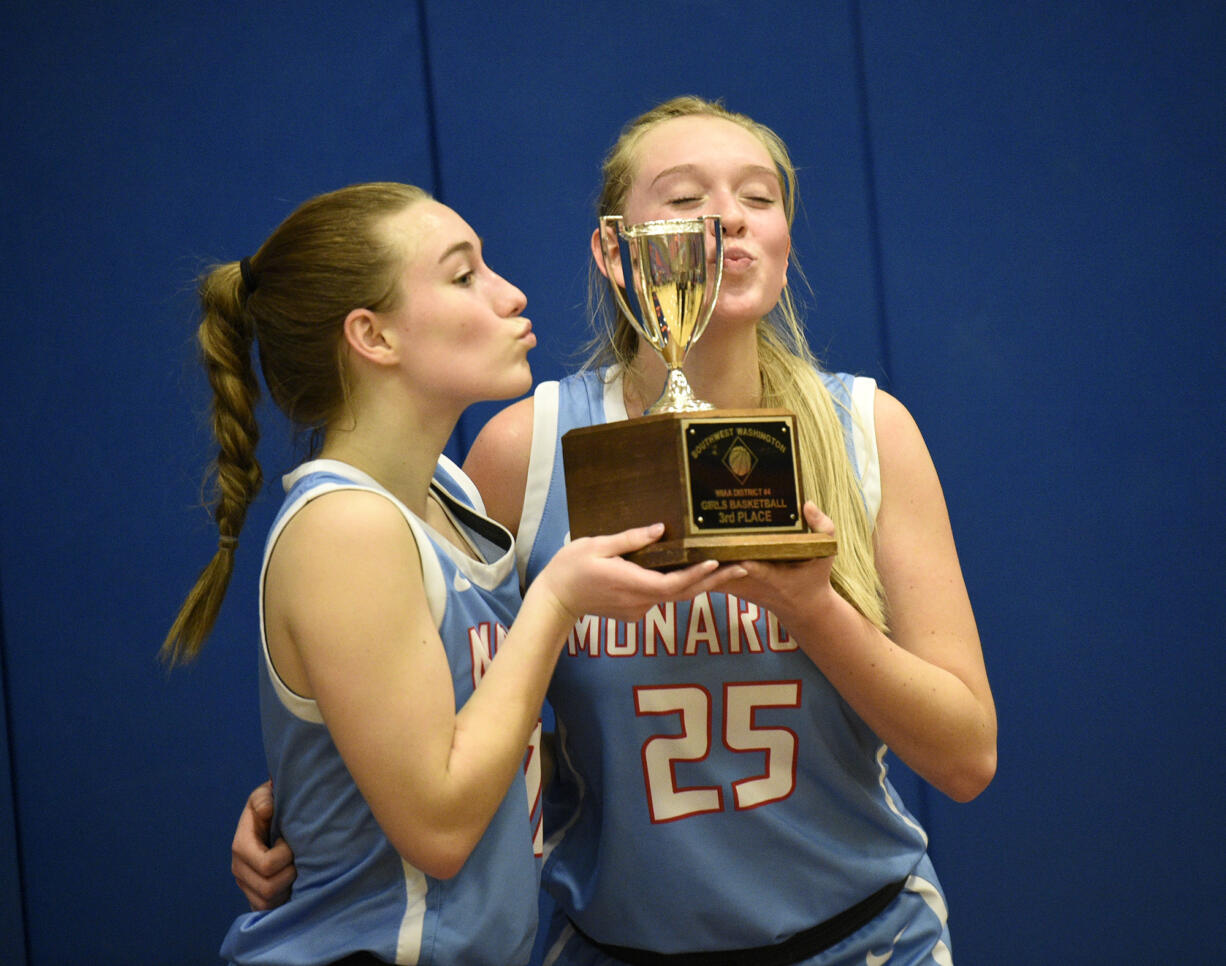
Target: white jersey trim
(413, 923)
(614, 397)
(470, 489)
(540, 471)
(891, 802)
(932, 897)
(864, 439)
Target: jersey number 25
(740, 733)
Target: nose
(733, 227)
(511, 299)
(731, 217)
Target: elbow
(971, 770)
(441, 856)
(434, 836)
(444, 867)
(970, 780)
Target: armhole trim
(864, 438)
(458, 476)
(540, 472)
(613, 398)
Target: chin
(738, 319)
(738, 308)
(521, 385)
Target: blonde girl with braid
(401, 672)
(722, 794)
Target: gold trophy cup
(724, 482)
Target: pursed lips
(736, 259)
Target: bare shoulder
(342, 546)
(342, 534)
(913, 510)
(905, 461)
(497, 463)
(913, 527)
(348, 515)
(897, 432)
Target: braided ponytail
(225, 336)
(290, 298)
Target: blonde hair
(787, 367)
(290, 299)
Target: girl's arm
(498, 464)
(924, 688)
(348, 625)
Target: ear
(364, 332)
(614, 251)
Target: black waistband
(792, 950)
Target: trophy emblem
(724, 482)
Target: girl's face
(692, 166)
(463, 330)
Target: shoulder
(508, 430)
(497, 462)
(341, 546)
(898, 436)
(909, 481)
(352, 524)
(353, 506)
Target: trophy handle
(614, 223)
(712, 290)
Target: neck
(396, 448)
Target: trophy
(724, 482)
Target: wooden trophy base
(723, 482)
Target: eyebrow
(693, 168)
(461, 246)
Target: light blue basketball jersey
(714, 791)
(354, 891)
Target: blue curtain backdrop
(1014, 216)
